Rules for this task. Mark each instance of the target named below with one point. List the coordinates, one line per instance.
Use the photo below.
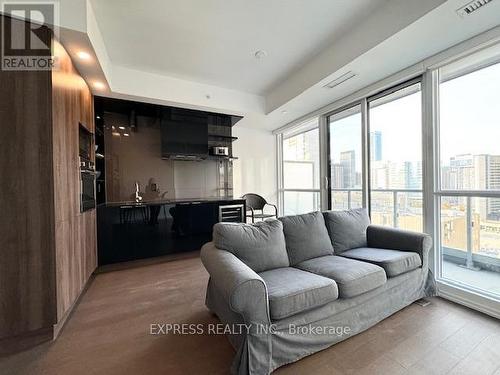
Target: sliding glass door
(395, 157)
(390, 145)
(469, 186)
(345, 159)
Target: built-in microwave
(85, 142)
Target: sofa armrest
(398, 239)
(241, 287)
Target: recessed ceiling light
(82, 55)
(99, 85)
(126, 134)
(113, 127)
(98, 117)
(260, 54)
(121, 127)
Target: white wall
(255, 169)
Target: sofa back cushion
(306, 237)
(347, 229)
(261, 246)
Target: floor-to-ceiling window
(395, 157)
(345, 158)
(424, 153)
(300, 169)
(469, 183)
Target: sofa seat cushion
(292, 291)
(306, 237)
(352, 276)
(394, 262)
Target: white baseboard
(470, 299)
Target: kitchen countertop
(160, 202)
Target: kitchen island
(137, 230)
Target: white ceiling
(214, 41)
(413, 47)
(199, 53)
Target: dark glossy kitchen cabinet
(130, 231)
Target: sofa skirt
(263, 350)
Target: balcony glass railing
(297, 202)
(400, 208)
(470, 241)
(470, 230)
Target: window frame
(419, 79)
(364, 151)
(453, 289)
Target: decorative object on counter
(152, 190)
(257, 203)
(152, 193)
(138, 196)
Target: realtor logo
(27, 45)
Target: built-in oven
(87, 185)
(87, 170)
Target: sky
(399, 122)
(469, 121)
(470, 113)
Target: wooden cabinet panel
(27, 298)
(75, 246)
(47, 247)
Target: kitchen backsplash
(137, 157)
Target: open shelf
(215, 157)
(222, 137)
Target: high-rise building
(380, 175)
(493, 208)
(448, 178)
(475, 172)
(348, 162)
(337, 175)
(494, 172)
(487, 177)
(376, 145)
(412, 174)
(462, 166)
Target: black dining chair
(255, 203)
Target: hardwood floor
(109, 333)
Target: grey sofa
(303, 283)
